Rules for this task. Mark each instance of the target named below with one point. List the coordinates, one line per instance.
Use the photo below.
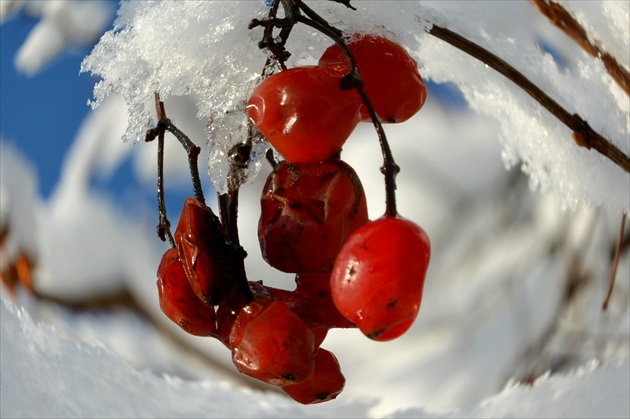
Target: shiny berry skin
(270, 343)
(390, 76)
(204, 252)
(308, 211)
(304, 114)
(319, 312)
(226, 316)
(228, 310)
(178, 301)
(312, 302)
(302, 306)
(379, 275)
(324, 385)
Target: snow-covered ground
(520, 262)
(47, 373)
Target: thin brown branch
(164, 226)
(615, 262)
(583, 134)
(561, 18)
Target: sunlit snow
(46, 373)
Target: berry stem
(224, 210)
(228, 210)
(389, 169)
(228, 202)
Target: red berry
(226, 316)
(390, 76)
(394, 331)
(312, 302)
(308, 211)
(203, 249)
(178, 301)
(319, 311)
(301, 305)
(270, 343)
(379, 275)
(304, 114)
(229, 309)
(324, 385)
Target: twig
(345, 3)
(239, 157)
(615, 262)
(164, 226)
(561, 18)
(583, 134)
(192, 150)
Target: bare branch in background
(561, 18)
(583, 134)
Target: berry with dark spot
(378, 277)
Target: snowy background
(523, 222)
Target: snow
(606, 23)
(514, 290)
(161, 46)
(67, 226)
(46, 373)
(18, 190)
(530, 135)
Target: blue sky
(41, 114)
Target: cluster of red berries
(350, 271)
(307, 117)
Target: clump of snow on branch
(606, 23)
(205, 48)
(532, 136)
(202, 49)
